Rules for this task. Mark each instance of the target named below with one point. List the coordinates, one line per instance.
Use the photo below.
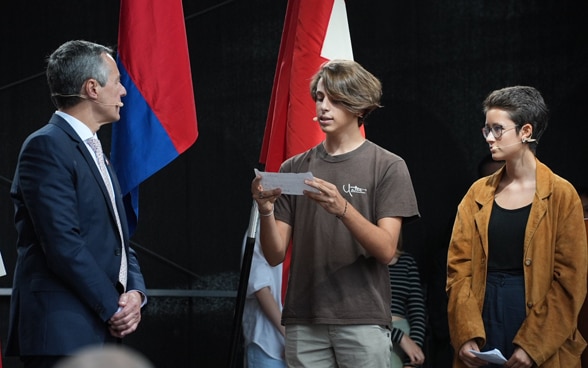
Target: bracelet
(267, 214)
(340, 217)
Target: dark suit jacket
(68, 246)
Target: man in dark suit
(76, 282)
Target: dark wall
(437, 62)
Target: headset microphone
(315, 119)
(117, 104)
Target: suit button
(527, 262)
(117, 252)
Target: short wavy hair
(348, 83)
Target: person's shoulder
(481, 191)
(480, 183)
(384, 151)
(548, 182)
(55, 127)
(46, 133)
(381, 154)
(562, 186)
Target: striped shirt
(407, 298)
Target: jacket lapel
(81, 146)
(485, 200)
(539, 207)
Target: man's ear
(90, 88)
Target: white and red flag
(314, 32)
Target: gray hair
(71, 65)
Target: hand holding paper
(290, 183)
(492, 356)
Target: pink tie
(94, 143)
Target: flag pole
(242, 290)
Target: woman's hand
(467, 357)
(519, 359)
(412, 350)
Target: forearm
(270, 308)
(380, 240)
(416, 310)
(396, 335)
(274, 236)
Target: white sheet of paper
(290, 183)
(491, 356)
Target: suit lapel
(85, 152)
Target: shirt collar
(80, 128)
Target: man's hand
(126, 320)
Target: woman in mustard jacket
(517, 261)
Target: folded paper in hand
(290, 183)
(491, 356)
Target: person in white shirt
(262, 329)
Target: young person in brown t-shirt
(337, 307)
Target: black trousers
(504, 311)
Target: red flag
(314, 32)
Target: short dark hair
(524, 105)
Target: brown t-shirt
(333, 280)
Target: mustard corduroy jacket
(554, 264)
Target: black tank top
(506, 237)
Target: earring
(528, 140)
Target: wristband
(340, 217)
(267, 214)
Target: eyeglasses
(496, 130)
